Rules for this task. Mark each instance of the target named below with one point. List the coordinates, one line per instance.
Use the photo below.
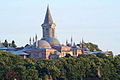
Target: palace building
(49, 47)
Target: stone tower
(48, 26)
(49, 30)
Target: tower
(48, 26)
(49, 30)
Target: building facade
(49, 47)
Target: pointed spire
(33, 40)
(71, 41)
(36, 41)
(48, 17)
(30, 40)
(80, 44)
(83, 41)
(36, 37)
(74, 44)
(66, 42)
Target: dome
(52, 41)
(75, 46)
(42, 44)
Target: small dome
(75, 46)
(42, 44)
(52, 41)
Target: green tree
(6, 43)
(13, 44)
(70, 68)
(92, 47)
(101, 55)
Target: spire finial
(33, 40)
(30, 41)
(36, 37)
(71, 41)
(74, 44)
(82, 40)
(83, 43)
(66, 42)
(36, 41)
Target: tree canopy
(92, 47)
(12, 44)
(67, 68)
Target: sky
(97, 21)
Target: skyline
(96, 22)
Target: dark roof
(48, 17)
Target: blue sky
(97, 21)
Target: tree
(92, 47)
(101, 55)
(13, 44)
(6, 43)
(11, 75)
(91, 67)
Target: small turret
(36, 41)
(36, 37)
(71, 41)
(30, 41)
(66, 42)
(33, 40)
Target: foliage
(67, 68)
(11, 75)
(12, 44)
(6, 43)
(92, 47)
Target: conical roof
(48, 17)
